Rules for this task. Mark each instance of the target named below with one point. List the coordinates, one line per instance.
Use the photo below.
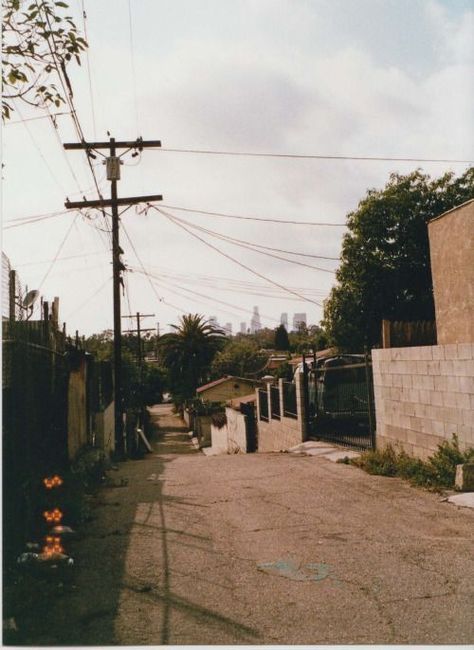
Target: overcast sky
(390, 78)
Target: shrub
(219, 420)
(439, 471)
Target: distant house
(276, 360)
(226, 388)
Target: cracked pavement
(179, 558)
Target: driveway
(264, 549)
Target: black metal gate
(248, 409)
(339, 401)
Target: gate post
(305, 401)
(370, 401)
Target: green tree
(385, 265)
(139, 389)
(188, 352)
(282, 342)
(38, 38)
(240, 357)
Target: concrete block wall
(279, 435)
(423, 395)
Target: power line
(238, 216)
(37, 147)
(132, 61)
(91, 94)
(23, 221)
(215, 300)
(178, 293)
(268, 292)
(244, 266)
(240, 244)
(60, 259)
(38, 117)
(83, 304)
(232, 284)
(254, 154)
(235, 282)
(58, 252)
(68, 94)
(159, 298)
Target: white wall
(231, 438)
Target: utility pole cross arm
(104, 203)
(119, 144)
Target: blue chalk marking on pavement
(313, 571)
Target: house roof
(320, 354)
(222, 380)
(237, 401)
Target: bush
(439, 471)
(219, 419)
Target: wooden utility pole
(139, 330)
(113, 175)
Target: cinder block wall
(423, 395)
(279, 435)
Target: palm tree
(188, 353)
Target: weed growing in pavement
(439, 471)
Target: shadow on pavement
(84, 612)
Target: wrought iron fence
(263, 404)
(275, 402)
(289, 400)
(340, 402)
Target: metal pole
(369, 399)
(12, 296)
(119, 438)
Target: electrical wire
(91, 297)
(212, 279)
(215, 300)
(31, 119)
(241, 264)
(58, 251)
(25, 221)
(56, 133)
(60, 259)
(233, 285)
(186, 297)
(270, 248)
(68, 94)
(38, 149)
(132, 62)
(159, 298)
(254, 154)
(91, 94)
(238, 216)
(237, 242)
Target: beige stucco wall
(452, 264)
(423, 395)
(231, 438)
(282, 434)
(227, 390)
